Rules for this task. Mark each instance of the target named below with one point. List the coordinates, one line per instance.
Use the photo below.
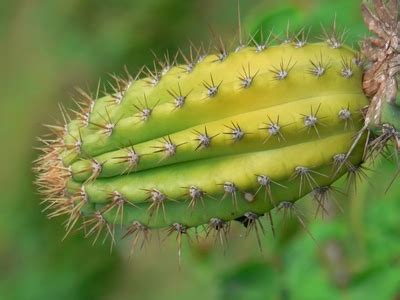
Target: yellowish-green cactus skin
(223, 137)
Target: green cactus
(222, 137)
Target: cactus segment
(229, 136)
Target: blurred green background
(48, 47)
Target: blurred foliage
(48, 47)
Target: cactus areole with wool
(220, 137)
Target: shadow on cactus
(231, 136)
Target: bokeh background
(48, 47)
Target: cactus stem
(278, 100)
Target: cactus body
(223, 137)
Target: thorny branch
(383, 55)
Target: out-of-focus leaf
(252, 281)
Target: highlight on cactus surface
(225, 135)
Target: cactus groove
(221, 137)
